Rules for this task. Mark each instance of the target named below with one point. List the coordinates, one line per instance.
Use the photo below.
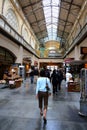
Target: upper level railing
(77, 40)
(8, 29)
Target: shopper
(42, 94)
(36, 74)
(31, 74)
(60, 78)
(68, 76)
(54, 78)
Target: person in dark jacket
(54, 79)
(47, 72)
(36, 74)
(60, 78)
(31, 74)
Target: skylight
(51, 12)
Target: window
(12, 19)
(51, 12)
(25, 34)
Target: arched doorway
(7, 58)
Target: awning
(78, 62)
(68, 60)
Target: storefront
(6, 60)
(51, 65)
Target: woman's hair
(42, 73)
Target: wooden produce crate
(15, 83)
(73, 87)
(11, 84)
(18, 83)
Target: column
(77, 55)
(20, 55)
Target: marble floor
(19, 110)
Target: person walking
(31, 74)
(54, 78)
(60, 78)
(42, 94)
(68, 76)
(36, 74)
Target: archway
(7, 58)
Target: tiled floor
(19, 110)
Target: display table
(15, 82)
(3, 84)
(18, 83)
(73, 87)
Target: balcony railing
(8, 29)
(81, 36)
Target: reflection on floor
(19, 110)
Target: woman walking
(42, 94)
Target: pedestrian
(60, 78)
(36, 74)
(42, 94)
(47, 72)
(68, 76)
(54, 78)
(31, 74)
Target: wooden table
(73, 87)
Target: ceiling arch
(68, 12)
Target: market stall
(73, 87)
(13, 79)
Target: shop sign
(27, 60)
(83, 50)
(68, 60)
(35, 63)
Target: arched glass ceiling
(51, 12)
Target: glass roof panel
(51, 9)
(46, 2)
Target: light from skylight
(51, 12)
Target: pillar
(76, 53)
(20, 55)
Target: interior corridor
(19, 110)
